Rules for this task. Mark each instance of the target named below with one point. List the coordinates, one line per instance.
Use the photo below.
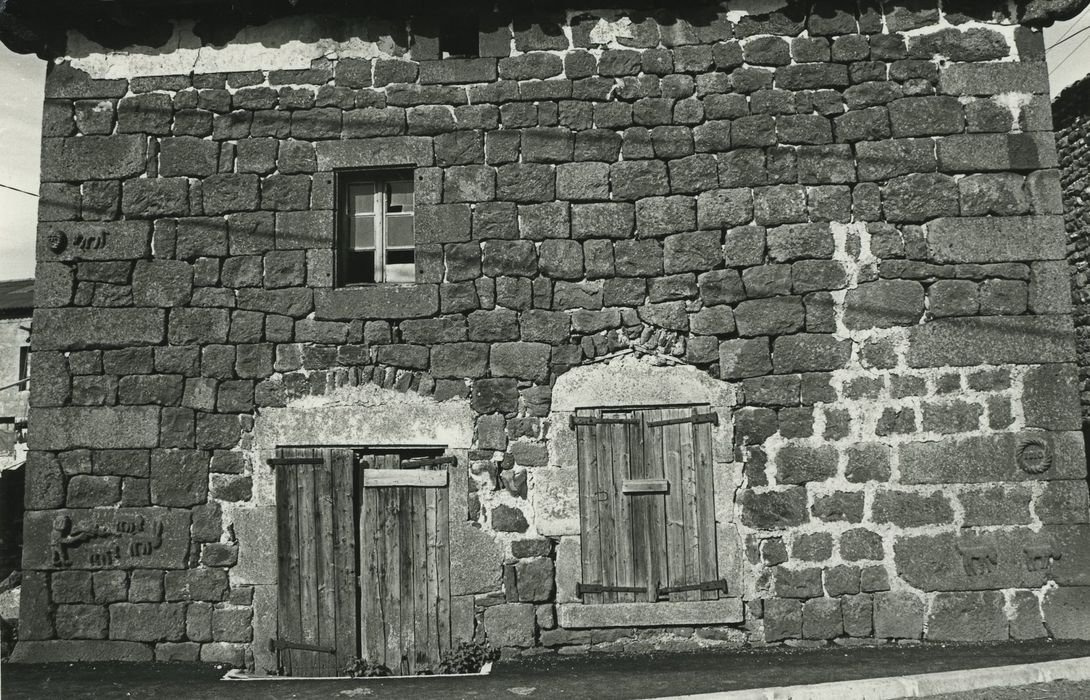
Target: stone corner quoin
(835, 261)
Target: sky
(21, 79)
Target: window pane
(362, 198)
(396, 257)
(399, 196)
(401, 273)
(359, 267)
(363, 233)
(399, 231)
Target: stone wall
(849, 220)
(1071, 112)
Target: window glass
(375, 237)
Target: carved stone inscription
(108, 539)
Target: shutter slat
(689, 497)
(590, 549)
(393, 595)
(708, 563)
(622, 530)
(605, 503)
(288, 624)
(308, 569)
(325, 561)
(344, 555)
(676, 539)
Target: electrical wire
(1049, 48)
(16, 189)
(1075, 51)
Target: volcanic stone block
(822, 619)
(117, 427)
(632, 180)
(774, 509)
(660, 216)
(858, 613)
(799, 464)
(993, 78)
(147, 622)
(740, 358)
(898, 615)
(882, 160)
(884, 304)
(985, 458)
(809, 352)
(920, 197)
(796, 583)
(772, 316)
(1065, 610)
(187, 156)
(379, 301)
(798, 241)
(613, 220)
(1050, 397)
(860, 543)
(909, 509)
(782, 619)
(844, 506)
(179, 478)
(991, 340)
(967, 617)
(510, 625)
(692, 252)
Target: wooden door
(404, 562)
(317, 609)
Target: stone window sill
(682, 613)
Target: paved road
(594, 676)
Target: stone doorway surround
(350, 416)
(631, 382)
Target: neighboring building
(358, 337)
(1071, 114)
(16, 307)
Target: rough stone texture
(832, 228)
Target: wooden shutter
(639, 536)
(316, 628)
(683, 436)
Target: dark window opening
(459, 36)
(24, 365)
(376, 240)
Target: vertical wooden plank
(422, 611)
(288, 560)
(606, 507)
(708, 564)
(675, 504)
(344, 555)
(431, 545)
(392, 593)
(442, 566)
(639, 506)
(622, 526)
(590, 553)
(655, 468)
(688, 488)
(325, 560)
(372, 570)
(308, 567)
(405, 550)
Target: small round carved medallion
(58, 241)
(1034, 455)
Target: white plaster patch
(289, 43)
(1015, 102)
(738, 9)
(554, 494)
(606, 32)
(628, 381)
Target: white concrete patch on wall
(289, 43)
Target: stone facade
(1071, 113)
(841, 229)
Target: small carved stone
(1034, 455)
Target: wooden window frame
(344, 181)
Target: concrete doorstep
(915, 686)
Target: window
(24, 366)
(647, 505)
(375, 237)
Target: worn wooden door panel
(405, 566)
(317, 576)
